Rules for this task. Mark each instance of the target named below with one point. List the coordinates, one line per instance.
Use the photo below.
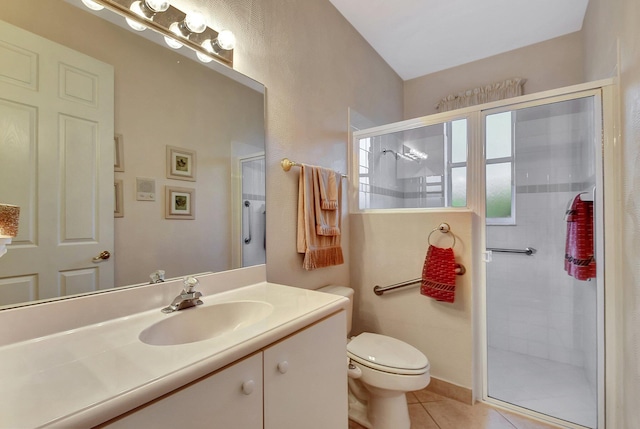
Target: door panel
(56, 130)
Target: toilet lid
(386, 353)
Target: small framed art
(180, 203)
(118, 207)
(118, 159)
(181, 164)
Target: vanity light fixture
(224, 42)
(146, 9)
(9, 217)
(178, 28)
(415, 154)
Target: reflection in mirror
(69, 82)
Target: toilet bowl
(381, 370)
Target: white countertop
(85, 376)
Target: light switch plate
(145, 189)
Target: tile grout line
(429, 414)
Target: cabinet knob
(283, 367)
(248, 387)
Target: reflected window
(421, 167)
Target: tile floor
(431, 411)
(548, 387)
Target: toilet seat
(387, 354)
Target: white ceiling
(418, 37)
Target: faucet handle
(190, 283)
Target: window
(363, 172)
(500, 195)
(421, 166)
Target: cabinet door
(228, 399)
(305, 378)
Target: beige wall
(315, 66)
(611, 26)
(546, 65)
(154, 107)
(389, 248)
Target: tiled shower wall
(533, 306)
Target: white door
(56, 152)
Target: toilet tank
(347, 292)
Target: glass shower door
(542, 329)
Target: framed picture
(180, 203)
(118, 159)
(118, 210)
(181, 164)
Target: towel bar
(527, 251)
(286, 165)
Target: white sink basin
(203, 322)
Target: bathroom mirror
(169, 108)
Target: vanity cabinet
(305, 378)
(229, 398)
(297, 382)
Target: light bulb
(92, 5)
(226, 40)
(207, 46)
(137, 9)
(135, 25)
(157, 5)
(204, 58)
(172, 43)
(195, 22)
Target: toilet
(381, 370)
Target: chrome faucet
(187, 298)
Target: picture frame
(118, 207)
(181, 164)
(180, 203)
(118, 158)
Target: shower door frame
(237, 224)
(608, 299)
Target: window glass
(498, 129)
(459, 141)
(414, 168)
(499, 189)
(459, 187)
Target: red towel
(439, 274)
(579, 260)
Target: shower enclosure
(249, 213)
(542, 327)
(519, 166)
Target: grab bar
(379, 290)
(247, 204)
(527, 251)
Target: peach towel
(319, 250)
(327, 220)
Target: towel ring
(445, 229)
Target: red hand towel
(439, 274)
(579, 260)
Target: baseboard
(450, 390)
